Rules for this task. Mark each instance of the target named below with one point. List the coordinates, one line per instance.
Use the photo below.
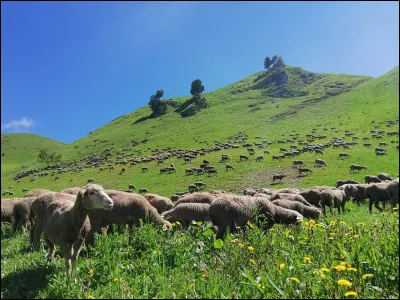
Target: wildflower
(367, 276)
(325, 270)
(331, 238)
(234, 241)
(342, 223)
(311, 222)
(352, 269)
(383, 214)
(204, 274)
(281, 266)
(252, 261)
(294, 279)
(260, 286)
(115, 279)
(90, 297)
(339, 268)
(91, 272)
(350, 293)
(332, 223)
(291, 237)
(249, 224)
(315, 272)
(344, 282)
(395, 208)
(241, 245)
(360, 224)
(323, 276)
(251, 249)
(332, 234)
(307, 260)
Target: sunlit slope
(21, 150)
(246, 105)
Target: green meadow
(343, 256)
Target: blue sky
(68, 68)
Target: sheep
(231, 211)
(304, 170)
(359, 196)
(67, 224)
(350, 190)
(310, 212)
(384, 176)
(312, 196)
(143, 190)
(333, 198)
(250, 192)
(278, 176)
(320, 187)
(90, 180)
(343, 154)
(193, 188)
(38, 211)
(159, 202)
(185, 213)
(243, 157)
(356, 168)
(377, 192)
(228, 167)
(393, 192)
(288, 190)
(298, 163)
(129, 208)
(7, 206)
(72, 191)
(21, 213)
(342, 182)
(196, 198)
(319, 162)
(37, 192)
(131, 187)
(371, 179)
(288, 196)
(259, 158)
(200, 184)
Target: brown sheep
(159, 202)
(333, 198)
(185, 213)
(310, 212)
(196, 198)
(292, 197)
(21, 213)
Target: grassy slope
(239, 108)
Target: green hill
(266, 107)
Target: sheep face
(94, 197)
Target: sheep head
(94, 197)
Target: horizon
(64, 62)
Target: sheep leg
(376, 204)
(36, 236)
(67, 251)
(52, 249)
(221, 231)
(77, 248)
(371, 202)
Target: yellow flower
(350, 293)
(339, 268)
(332, 223)
(281, 266)
(367, 276)
(323, 276)
(241, 245)
(307, 260)
(352, 269)
(382, 214)
(234, 241)
(250, 225)
(260, 286)
(325, 270)
(252, 261)
(291, 237)
(90, 297)
(91, 272)
(315, 272)
(251, 249)
(344, 282)
(311, 221)
(115, 279)
(294, 279)
(395, 208)
(342, 223)
(360, 224)
(331, 238)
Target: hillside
(260, 107)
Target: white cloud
(18, 125)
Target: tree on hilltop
(197, 87)
(158, 106)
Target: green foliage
(45, 157)
(197, 87)
(189, 111)
(267, 62)
(158, 106)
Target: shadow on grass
(143, 119)
(26, 284)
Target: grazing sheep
(200, 184)
(196, 198)
(185, 213)
(342, 182)
(298, 163)
(250, 192)
(131, 187)
(37, 192)
(143, 190)
(259, 158)
(21, 213)
(384, 176)
(193, 188)
(393, 192)
(320, 187)
(7, 206)
(243, 157)
(309, 212)
(67, 224)
(278, 176)
(343, 154)
(72, 191)
(159, 202)
(288, 190)
(129, 208)
(317, 151)
(231, 211)
(377, 192)
(228, 167)
(304, 170)
(371, 179)
(312, 196)
(360, 196)
(333, 198)
(39, 208)
(90, 180)
(319, 162)
(357, 168)
(350, 190)
(292, 197)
